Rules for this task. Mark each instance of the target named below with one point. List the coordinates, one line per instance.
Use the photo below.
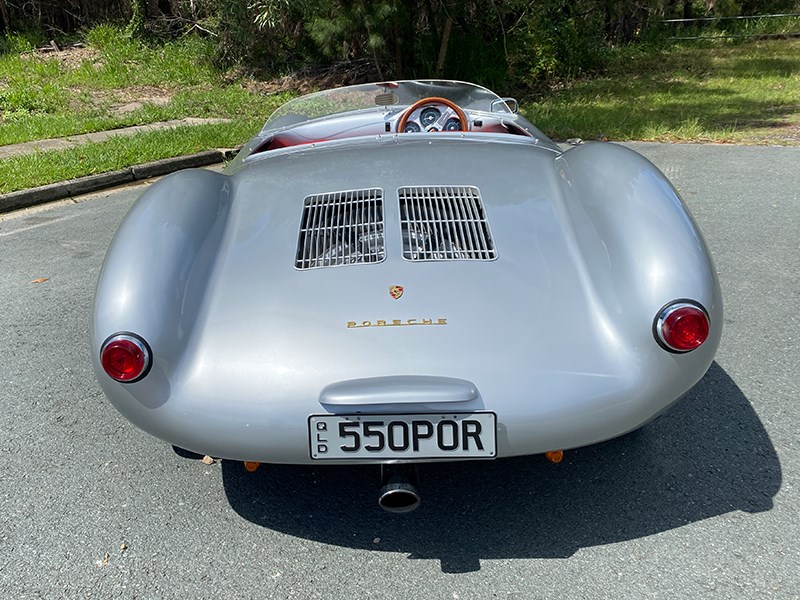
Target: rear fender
(174, 232)
(639, 245)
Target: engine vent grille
(444, 223)
(341, 228)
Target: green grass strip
(746, 93)
(42, 168)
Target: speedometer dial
(411, 127)
(429, 116)
(452, 124)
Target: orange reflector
(251, 466)
(556, 456)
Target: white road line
(35, 225)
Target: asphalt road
(703, 502)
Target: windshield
(384, 96)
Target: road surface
(703, 502)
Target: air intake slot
(444, 223)
(341, 228)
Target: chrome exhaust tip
(398, 493)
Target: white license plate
(459, 435)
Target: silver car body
(255, 328)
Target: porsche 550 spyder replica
(404, 272)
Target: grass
(117, 82)
(708, 91)
(50, 97)
(26, 171)
(207, 100)
(741, 93)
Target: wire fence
(744, 26)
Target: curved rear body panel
(553, 334)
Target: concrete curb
(93, 183)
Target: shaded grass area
(745, 93)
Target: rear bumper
(552, 411)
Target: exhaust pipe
(398, 492)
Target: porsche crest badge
(396, 291)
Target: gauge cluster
(434, 117)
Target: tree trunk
(448, 27)
(5, 21)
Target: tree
(5, 21)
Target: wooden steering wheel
(462, 117)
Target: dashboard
(428, 115)
(434, 117)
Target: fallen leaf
(123, 546)
(207, 460)
(40, 280)
(106, 559)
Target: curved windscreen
(383, 96)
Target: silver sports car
(404, 272)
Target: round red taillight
(682, 326)
(125, 357)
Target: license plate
(460, 435)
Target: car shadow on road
(707, 456)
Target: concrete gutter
(92, 183)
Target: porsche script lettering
(395, 323)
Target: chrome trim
(140, 343)
(511, 105)
(665, 312)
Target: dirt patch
(128, 100)
(783, 134)
(788, 134)
(125, 100)
(288, 83)
(312, 78)
(71, 57)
